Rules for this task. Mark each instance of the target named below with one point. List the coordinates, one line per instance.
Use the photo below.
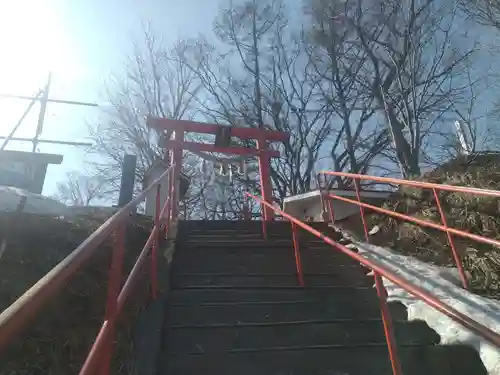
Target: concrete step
(253, 247)
(235, 308)
(354, 296)
(224, 338)
(277, 311)
(210, 225)
(248, 240)
(262, 263)
(271, 233)
(352, 276)
(338, 360)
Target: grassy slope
(58, 340)
(474, 214)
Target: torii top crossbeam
(205, 128)
(262, 137)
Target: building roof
(30, 157)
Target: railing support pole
(451, 242)
(156, 243)
(382, 296)
(331, 213)
(381, 271)
(265, 176)
(296, 249)
(114, 285)
(168, 210)
(177, 168)
(388, 326)
(246, 212)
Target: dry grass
(474, 214)
(59, 338)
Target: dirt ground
(470, 213)
(58, 340)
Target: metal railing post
(115, 273)
(388, 326)
(17, 316)
(168, 212)
(156, 243)
(381, 271)
(166, 218)
(296, 249)
(382, 296)
(264, 222)
(451, 241)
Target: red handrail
(415, 290)
(17, 316)
(420, 184)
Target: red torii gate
(261, 136)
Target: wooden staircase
(235, 307)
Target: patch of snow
(10, 197)
(374, 230)
(444, 283)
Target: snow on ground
(444, 284)
(10, 197)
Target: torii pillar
(262, 137)
(176, 161)
(265, 177)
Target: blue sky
(81, 41)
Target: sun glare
(33, 42)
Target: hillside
(478, 215)
(59, 339)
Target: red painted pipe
(419, 292)
(451, 242)
(115, 275)
(296, 249)
(96, 350)
(419, 184)
(18, 314)
(424, 223)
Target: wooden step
(266, 263)
(353, 277)
(215, 338)
(235, 308)
(358, 296)
(341, 360)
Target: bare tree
(337, 63)
(80, 190)
(153, 82)
(269, 88)
(479, 133)
(412, 67)
(485, 12)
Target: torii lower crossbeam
(195, 146)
